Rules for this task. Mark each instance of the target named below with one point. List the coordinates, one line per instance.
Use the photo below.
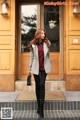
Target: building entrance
(52, 23)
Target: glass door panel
(28, 25)
(51, 25)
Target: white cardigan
(34, 60)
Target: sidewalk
(11, 96)
(68, 109)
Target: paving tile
(11, 96)
(8, 96)
(72, 95)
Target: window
(28, 25)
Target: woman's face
(42, 35)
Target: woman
(40, 65)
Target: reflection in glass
(51, 25)
(28, 25)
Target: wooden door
(7, 48)
(53, 19)
(53, 34)
(28, 23)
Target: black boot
(41, 112)
(38, 110)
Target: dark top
(41, 56)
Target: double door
(52, 22)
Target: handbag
(29, 80)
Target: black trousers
(40, 87)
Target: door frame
(41, 25)
(61, 8)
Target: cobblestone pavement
(68, 109)
(48, 115)
(53, 110)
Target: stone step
(50, 85)
(48, 115)
(49, 105)
(53, 110)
